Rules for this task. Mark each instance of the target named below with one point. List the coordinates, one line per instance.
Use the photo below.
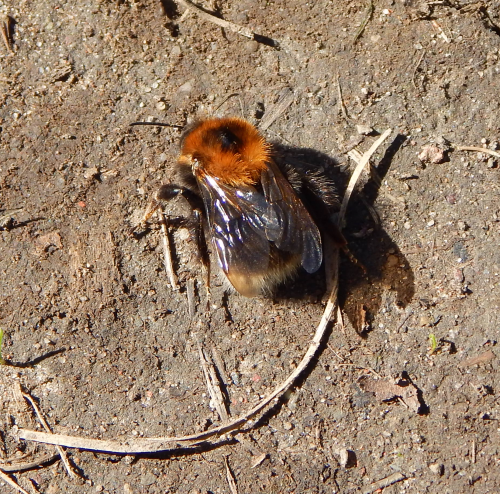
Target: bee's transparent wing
(239, 220)
(244, 221)
(297, 232)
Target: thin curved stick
(159, 444)
(478, 149)
(357, 172)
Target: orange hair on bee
(230, 149)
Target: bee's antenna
(158, 124)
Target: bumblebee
(258, 222)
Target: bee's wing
(240, 220)
(243, 221)
(294, 230)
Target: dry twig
(366, 20)
(42, 420)
(18, 466)
(230, 477)
(357, 172)
(213, 385)
(235, 28)
(341, 101)
(220, 366)
(5, 24)
(478, 149)
(9, 481)
(167, 254)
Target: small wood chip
(383, 483)
(258, 461)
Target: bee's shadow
(360, 293)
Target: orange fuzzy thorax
(230, 149)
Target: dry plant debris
(285, 99)
(16, 465)
(10, 482)
(386, 390)
(235, 28)
(42, 420)
(479, 150)
(5, 27)
(213, 385)
(383, 483)
(230, 477)
(366, 20)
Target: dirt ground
(111, 348)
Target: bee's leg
(168, 191)
(202, 249)
(165, 193)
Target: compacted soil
(405, 393)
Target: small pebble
(431, 154)
(251, 46)
(344, 457)
(364, 130)
(186, 87)
(148, 479)
(436, 468)
(424, 320)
